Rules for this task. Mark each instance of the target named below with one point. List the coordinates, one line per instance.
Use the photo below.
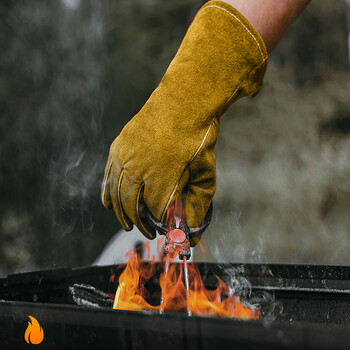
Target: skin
(271, 18)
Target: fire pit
(302, 307)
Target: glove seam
(202, 143)
(193, 157)
(230, 98)
(242, 24)
(170, 199)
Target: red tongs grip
(179, 235)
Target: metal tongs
(177, 238)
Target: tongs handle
(163, 228)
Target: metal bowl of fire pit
(300, 307)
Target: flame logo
(34, 333)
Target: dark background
(73, 72)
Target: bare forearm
(271, 18)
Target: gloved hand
(167, 149)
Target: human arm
(271, 18)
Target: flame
(34, 333)
(132, 294)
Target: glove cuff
(221, 58)
(242, 41)
(252, 46)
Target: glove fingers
(195, 209)
(196, 202)
(201, 186)
(115, 181)
(130, 197)
(159, 195)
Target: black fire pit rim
(49, 312)
(251, 269)
(58, 320)
(35, 307)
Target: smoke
(225, 240)
(226, 243)
(53, 150)
(71, 4)
(72, 74)
(239, 285)
(266, 303)
(76, 105)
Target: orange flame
(34, 333)
(132, 295)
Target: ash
(88, 296)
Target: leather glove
(167, 149)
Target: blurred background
(74, 72)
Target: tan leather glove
(167, 149)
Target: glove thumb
(196, 201)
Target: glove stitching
(203, 141)
(250, 33)
(193, 157)
(170, 199)
(231, 97)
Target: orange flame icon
(34, 333)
